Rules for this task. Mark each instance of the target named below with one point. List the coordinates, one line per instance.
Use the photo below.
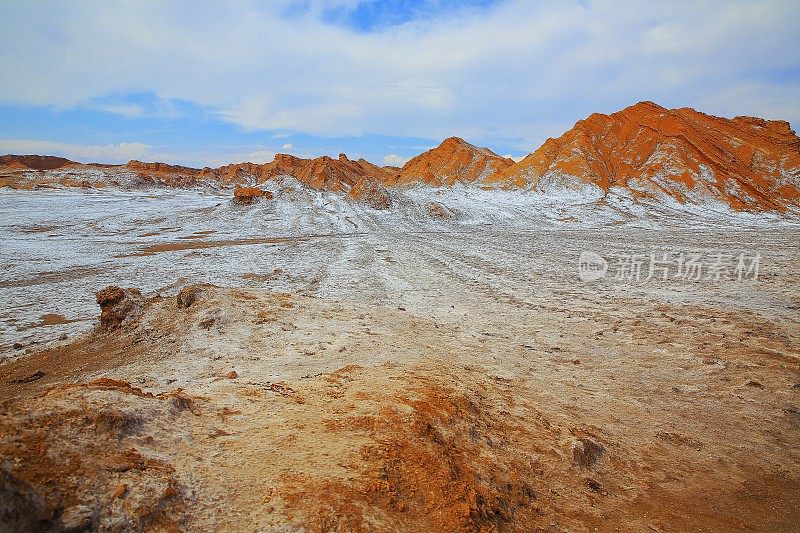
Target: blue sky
(206, 83)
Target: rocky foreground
(220, 408)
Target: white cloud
(126, 110)
(109, 153)
(214, 157)
(199, 157)
(287, 146)
(395, 160)
(259, 156)
(517, 72)
(772, 101)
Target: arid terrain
(353, 369)
(604, 336)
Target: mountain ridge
(454, 160)
(644, 151)
(746, 162)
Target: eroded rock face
(21, 507)
(455, 160)
(77, 518)
(644, 151)
(437, 210)
(187, 296)
(373, 194)
(160, 168)
(118, 306)
(250, 195)
(35, 162)
(191, 294)
(682, 154)
(164, 174)
(324, 173)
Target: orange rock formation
(171, 175)
(250, 195)
(360, 179)
(455, 160)
(324, 172)
(749, 163)
(646, 150)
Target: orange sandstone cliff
(745, 162)
(455, 160)
(644, 151)
(324, 172)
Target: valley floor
(351, 370)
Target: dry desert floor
(310, 365)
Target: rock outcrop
(455, 160)
(586, 452)
(191, 294)
(323, 173)
(645, 152)
(354, 177)
(13, 166)
(682, 154)
(372, 193)
(118, 306)
(164, 174)
(250, 195)
(78, 462)
(438, 210)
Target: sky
(208, 83)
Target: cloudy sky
(204, 83)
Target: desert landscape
(400, 266)
(330, 345)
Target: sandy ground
(436, 376)
(59, 246)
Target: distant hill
(650, 151)
(645, 152)
(35, 162)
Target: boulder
(21, 507)
(118, 306)
(188, 296)
(77, 518)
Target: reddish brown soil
(305, 413)
(79, 452)
(200, 244)
(49, 319)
